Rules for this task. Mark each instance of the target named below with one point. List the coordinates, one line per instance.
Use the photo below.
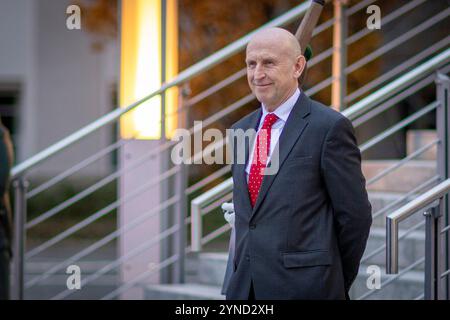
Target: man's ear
(300, 64)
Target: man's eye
(251, 65)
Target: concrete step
(209, 268)
(402, 179)
(185, 291)
(416, 139)
(408, 286)
(206, 268)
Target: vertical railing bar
(20, 186)
(380, 249)
(339, 58)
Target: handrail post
(181, 183)
(431, 253)
(443, 170)
(391, 245)
(339, 84)
(20, 186)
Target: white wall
(66, 85)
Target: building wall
(65, 84)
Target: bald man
(302, 215)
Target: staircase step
(416, 139)
(408, 286)
(185, 291)
(206, 268)
(402, 179)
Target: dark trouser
(4, 274)
(251, 294)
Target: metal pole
(20, 186)
(181, 205)
(339, 84)
(443, 170)
(391, 246)
(431, 253)
(165, 165)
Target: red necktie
(260, 155)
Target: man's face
(272, 72)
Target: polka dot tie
(260, 155)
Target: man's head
(274, 64)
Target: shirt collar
(283, 111)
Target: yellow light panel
(141, 67)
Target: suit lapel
(293, 129)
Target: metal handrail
(400, 83)
(397, 41)
(398, 126)
(116, 263)
(393, 220)
(402, 162)
(100, 213)
(398, 97)
(419, 189)
(385, 283)
(375, 252)
(183, 76)
(144, 216)
(139, 102)
(385, 20)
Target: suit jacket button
(252, 226)
(247, 257)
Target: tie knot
(269, 120)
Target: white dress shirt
(282, 112)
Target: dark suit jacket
(306, 234)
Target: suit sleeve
(346, 186)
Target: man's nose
(259, 72)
